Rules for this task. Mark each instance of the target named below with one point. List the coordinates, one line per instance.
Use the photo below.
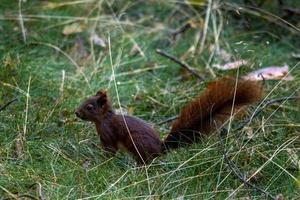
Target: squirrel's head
(94, 107)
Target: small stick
(168, 120)
(236, 170)
(7, 104)
(181, 30)
(268, 102)
(176, 60)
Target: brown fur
(211, 109)
(203, 115)
(135, 135)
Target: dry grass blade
(205, 29)
(266, 104)
(40, 192)
(22, 21)
(168, 120)
(265, 15)
(181, 30)
(235, 169)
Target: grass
(46, 152)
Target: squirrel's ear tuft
(101, 93)
(101, 97)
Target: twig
(181, 30)
(7, 104)
(236, 170)
(267, 103)
(168, 120)
(176, 60)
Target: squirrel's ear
(101, 93)
(101, 97)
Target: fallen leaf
(231, 65)
(270, 73)
(72, 28)
(98, 40)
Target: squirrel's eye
(89, 107)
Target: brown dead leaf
(270, 73)
(72, 28)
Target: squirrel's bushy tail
(222, 99)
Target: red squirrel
(221, 99)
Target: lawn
(55, 54)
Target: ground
(50, 64)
